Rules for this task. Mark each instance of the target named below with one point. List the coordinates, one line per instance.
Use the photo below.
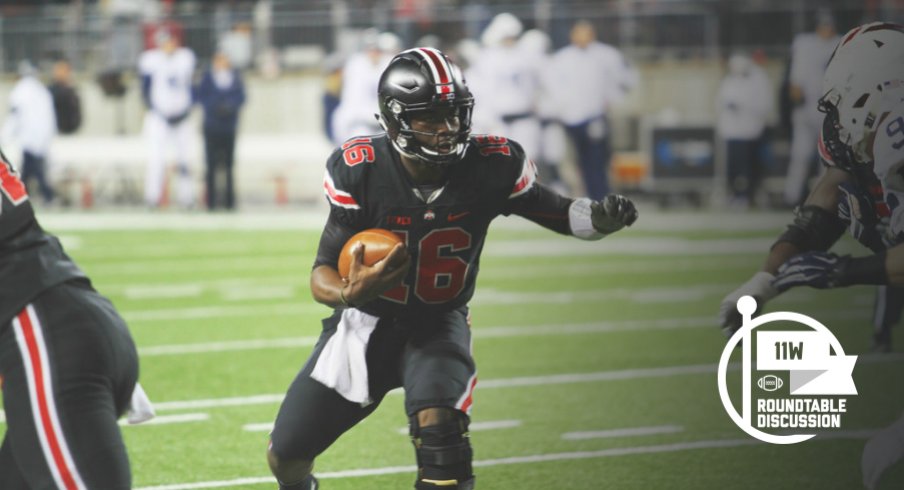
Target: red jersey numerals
(440, 275)
(490, 145)
(12, 185)
(398, 294)
(358, 150)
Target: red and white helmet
(864, 79)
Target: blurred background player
(535, 46)
(589, 77)
(810, 53)
(166, 87)
(31, 123)
(67, 104)
(221, 95)
(237, 45)
(67, 361)
(405, 320)
(505, 80)
(745, 103)
(360, 75)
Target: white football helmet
(864, 79)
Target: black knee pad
(443, 454)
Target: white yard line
(558, 379)
(480, 426)
(672, 246)
(484, 297)
(260, 427)
(311, 218)
(486, 463)
(478, 332)
(227, 346)
(194, 313)
(257, 292)
(163, 291)
(170, 419)
(481, 385)
(624, 432)
(219, 402)
(151, 290)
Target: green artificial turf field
(596, 361)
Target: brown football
(377, 244)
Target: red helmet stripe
(885, 26)
(439, 67)
(851, 36)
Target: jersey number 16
(440, 276)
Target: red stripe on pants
(43, 407)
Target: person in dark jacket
(221, 94)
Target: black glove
(612, 213)
(178, 118)
(857, 210)
(821, 270)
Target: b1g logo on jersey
(801, 376)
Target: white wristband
(579, 220)
(760, 285)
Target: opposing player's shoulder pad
(888, 146)
(507, 159)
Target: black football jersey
(368, 187)
(30, 260)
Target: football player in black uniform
(405, 321)
(68, 365)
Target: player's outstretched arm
(824, 270)
(816, 226)
(581, 218)
(364, 282)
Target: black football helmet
(423, 80)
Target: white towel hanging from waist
(342, 364)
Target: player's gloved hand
(821, 270)
(612, 213)
(759, 286)
(882, 450)
(366, 283)
(855, 208)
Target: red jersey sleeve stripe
(525, 180)
(337, 197)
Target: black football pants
(68, 367)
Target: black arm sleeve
(545, 207)
(335, 234)
(814, 228)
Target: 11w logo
(789, 351)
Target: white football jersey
(888, 158)
(171, 79)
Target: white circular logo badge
(803, 374)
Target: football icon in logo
(770, 382)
